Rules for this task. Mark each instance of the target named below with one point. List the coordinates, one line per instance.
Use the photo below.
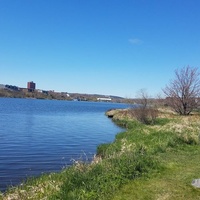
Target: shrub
(146, 115)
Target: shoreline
(138, 152)
(32, 176)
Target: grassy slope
(145, 162)
(173, 183)
(181, 164)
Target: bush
(146, 115)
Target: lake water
(38, 136)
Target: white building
(104, 99)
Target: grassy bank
(145, 162)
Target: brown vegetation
(183, 92)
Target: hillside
(16, 92)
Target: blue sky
(111, 47)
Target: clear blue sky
(111, 47)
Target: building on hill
(107, 99)
(31, 86)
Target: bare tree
(183, 92)
(143, 98)
(146, 112)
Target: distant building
(104, 99)
(31, 86)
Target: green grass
(35, 188)
(144, 162)
(181, 166)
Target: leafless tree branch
(183, 92)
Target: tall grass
(101, 181)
